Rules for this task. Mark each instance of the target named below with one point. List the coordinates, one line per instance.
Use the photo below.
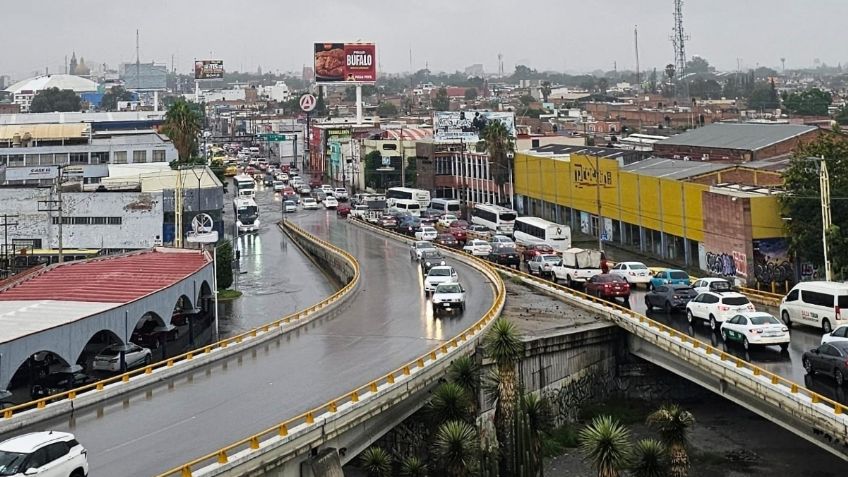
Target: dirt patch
(537, 314)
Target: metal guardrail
(292, 318)
(304, 422)
(762, 297)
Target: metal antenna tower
(636, 44)
(500, 65)
(678, 39)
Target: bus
(445, 206)
(494, 217)
(533, 230)
(420, 195)
(245, 186)
(247, 214)
(408, 206)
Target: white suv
(717, 307)
(47, 453)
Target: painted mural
(772, 261)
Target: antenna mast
(636, 42)
(137, 63)
(678, 39)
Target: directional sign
(272, 137)
(308, 102)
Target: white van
(407, 205)
(823, 305)
(445, 206)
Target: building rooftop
(132, 139)
(81, 117)
(673, 168)
(562, 149)
(746, 137)
(44, 132)
(25, 317)
(77, 84)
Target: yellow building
(673, 209)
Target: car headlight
(427, 264)
(443, 262)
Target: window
(830, 351)
(89, 220)
(57, 450)
(792, 296)
(843, 301)
(710, 299)
(735, 300)
(119, 157)
(38, 458)
(139, 157)
(159, 155)
(840, 332)
(78, 158)
(100, 157)
(46, 160)
(32, 159)
(16, 160)
(816, 298)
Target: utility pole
(824, 181)
(636, 43)
(7, 267)
(61, 219)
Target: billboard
(208, 69)
(465, 126)
(339, 62)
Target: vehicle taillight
(632, 274)
(752, 330)
(723, 308)
(606, 286)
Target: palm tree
(504, 347)
(673, 423)
(495, 139)
(606, 444)
(455, 446)
(182, 126)
(450, 402)
(545, 90)
(412, 466)
(539, 419)
(464, 372)
(649, 459)
(376, 461)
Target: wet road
(388, 323)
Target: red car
(448, 240)
(537, 249)
(314, 183)
(608, 286)
(458, 230)
(343, 210)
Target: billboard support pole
(307, 153)
(358, 104)
(196, 91)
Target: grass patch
(563, 437)
(627, 411)
(228, 294)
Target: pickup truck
(359, 211)
(577, 266)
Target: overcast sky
(561, 35)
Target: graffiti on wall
(734, 264)
(772, 261)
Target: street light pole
(824, 180)
(601, 228)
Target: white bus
(533, 230)
(494, 217)
(246, 214)
(406, 205)
(245, 186)
(445, 206)
(420, 195)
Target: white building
(24, 91)
(278, 92)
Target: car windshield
(424, 245)
(764, 320)
(735, 300)
(678, 275)
(439, 272)
(431, 254)
(551, 258)
(450, 288)
(10, 462)
(110, 351)
(720, 285)
(684, 291)
(637, 266)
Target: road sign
(273, 137)
(308, 102)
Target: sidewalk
(624, 253)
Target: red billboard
(340, 62)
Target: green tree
(707, 89)
(545, 89)
(648, 459)
(224, 265)
(764, 96)
(455, 446)
(182, 125)
(526, 100)
(504, 347)
(110, 99)
(450, 402)
(673, 424)
(441, 102)
(376, 462)
(801, 204)
(470, 94)
(539, 419)
(55, 100)
(812, 102)
(497, 141)
(413, 466)
(698, 65)
(605, 443)
(387, 110)
(603, 85)
(841, 116)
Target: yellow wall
(667, 205)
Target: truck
(577, 266)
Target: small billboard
(345, 62)
(466, 126)
(208, 69)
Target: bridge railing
(258, 332)
(290, 429)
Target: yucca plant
(503, 345)
(538, 418)
(673, 423)
(456, 448)
(450, 402)
(376, 462)
(412, 466)
(648, 459)
(605, 443)
(464, 372)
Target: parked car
(669, 297)
(633, 272)
(542, 264)
(309, 203)
(505, 256)
(387, 221)
(756, 329)
(64, 379)
(839, 334)
(446, 220)
(289, 206)
(418, 248)
(830, 359)
(448, 240)
(431, 258)
(536, 249)
(608, 286)
(669, 276)
(44, 453)
(343, 210)
(438, 275)
(109, 359)
(702, 285)
(479, 248)
(426, 233)
(448, 296)
(717, 307)
(330, 202)
(819, 304)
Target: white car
(716, 307)
(447, 219)
(502, 241)
(633, 272)
(438, 275)
(328, 189)
(110, 358)
(330, 202)
(418, 248)
(340, 193)
(304, 190)
(840, 333)
(45, 453)
(478, 248)
(755, 328)
(448, 296)
(289, 206)
(281, 176)
(309, 203)
(278, 186)
(712, 284)
(426, 233)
